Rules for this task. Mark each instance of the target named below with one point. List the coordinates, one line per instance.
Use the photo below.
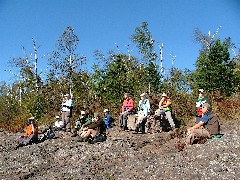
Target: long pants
(170, 119)
(141, 121)
(123, 119)
(66, 120)
(196, 133)
(31, 139)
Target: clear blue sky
(100, 24)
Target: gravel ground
(123, 156)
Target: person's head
(164, 95)
(106, 111)
(96, 116)
(31, 120)
(143, 95)
(205, 108)
(83, 113)
(57, 118)
(66, 96)
(200, 93)
(126, 95)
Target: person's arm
(123, 105)
(130, 105)
(94, 125)
(148, 107)
(196, 126)
(160, 103)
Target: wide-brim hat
(57, 117)
(66, 95)
(106, 110)
(206, 105)
(143, 95)
(201, 90)
(164, 95)
(83, 112)
(95, 115)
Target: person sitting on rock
(94, 130)
(108, 119)
(58, 125)
(127, 109)
(165, 108)
(206, 127)
(82, 121)
(198, 105)
(31, 134)
(143, 112)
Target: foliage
(215, 71)
(144, 42)
(114, 74)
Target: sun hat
(96, 115)
(83, 112)
(66, 95)
(57, 117)
(106, 110)
(164, 94)
(201, 90)
(143, 95)
(206, 105)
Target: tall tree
(64, 61)
(215, 71)
(144, 42)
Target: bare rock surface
(122, 156)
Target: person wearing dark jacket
(96, 128)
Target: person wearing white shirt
(58, 123)
(66, 111)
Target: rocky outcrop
(122, 156)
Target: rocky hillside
(123, 156)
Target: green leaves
(215, 71)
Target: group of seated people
(90, 128)
(143, 111)
(207, 124)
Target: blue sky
(99, 24)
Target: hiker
(143, 112)
(67, 106)
(58, 125)
(165, 108)
(108, 119)
(198, 105)
(206, 127)
(127, 109)
(31, 134)
(94, 130)
(82, 121)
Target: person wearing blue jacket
(108, 119)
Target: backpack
(49, 134)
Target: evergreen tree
(215, 71)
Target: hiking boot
(90, 141)
(80, 139)
(74, 135)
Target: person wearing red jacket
(127, 108)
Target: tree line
(114, 74)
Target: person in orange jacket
(31, 134)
